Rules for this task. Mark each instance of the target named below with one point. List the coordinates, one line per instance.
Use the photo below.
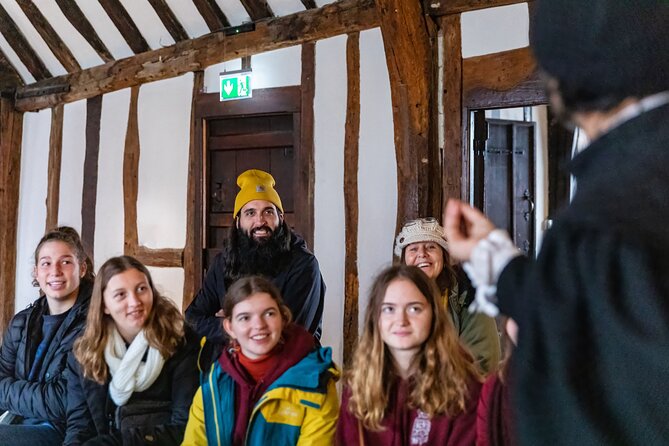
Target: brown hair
(71, 238)
(164, 328)
(443, 370)
(247, 286)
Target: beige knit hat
(420, 230)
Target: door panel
(504, 176)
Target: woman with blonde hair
(134, 369)
(411, 382)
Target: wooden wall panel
(55, 158)
(351, 148)
(305, 208)
(409, 59)
(192, 264)
(453, 172)
(11, 131)
(90, 188)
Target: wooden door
(236, 144)
(265, 132)
(504, 176)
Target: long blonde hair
(443, 370)
(164, 328)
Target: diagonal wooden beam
(170, 21)
(409, 59)
(9, 77)
(446, 7)
(212, 14)
(257, 9)
(54, 42)
(21, 47)
(337, 18)
(77, 18)
(309, 4)
(118, 14)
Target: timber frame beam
(448, 7)
(333, 19)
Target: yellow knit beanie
(255, 184)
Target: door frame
(266, 101)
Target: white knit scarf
(129, 373)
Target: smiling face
(256, 323)
(128, 299)
(58, 274)
(405, 319)
(428, 256)
(259, 219)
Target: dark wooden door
(236, 144)
(265, 132)
(504, 176)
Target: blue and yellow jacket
(300, 408)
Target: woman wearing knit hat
(422, 243)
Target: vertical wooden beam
(435, 166)
(305, 180)
(55, 157)
(130, 176)
(192, 265)
(22, 47)
(90, 189)
(454, 176)
(351, 145)
(409, 58)
(11, 130)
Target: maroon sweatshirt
(404, 426)
(298, 343)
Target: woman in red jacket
(411, 382)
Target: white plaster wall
(109, 224)
(492, 30)
(164, 110)
(329, 241)
(32, 205)
(377, 175)
(72, 164)
(278, 68)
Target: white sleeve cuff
(488, 259)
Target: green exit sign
(235, 86)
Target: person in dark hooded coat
(593, 308)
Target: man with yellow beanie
(261, 243)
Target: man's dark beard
(245, 255)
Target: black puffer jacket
(92, 414)
(44, 398)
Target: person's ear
(82, 270)
(227, 326)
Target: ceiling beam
(118, 14)
(44, 28)
(446, 7)
(309, 4)
(170, 21)
(334, 19)
(257, 9)
(212, 14)
(21, 47)
(77, 18)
